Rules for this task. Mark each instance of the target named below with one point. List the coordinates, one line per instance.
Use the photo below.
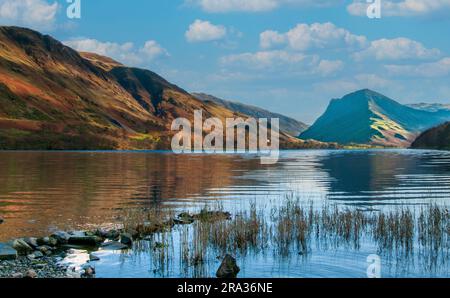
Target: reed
(292, 227)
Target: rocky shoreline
(47, 257)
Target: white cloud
(223, 6)
(439, 68)
(264, 59)
(329, 67)
(201, 31)
(287, 62)
(400, 8)
(315, 36)
(397, 49)
(38, 14)
(126, 53)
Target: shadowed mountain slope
(434, 138)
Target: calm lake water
(45, 191)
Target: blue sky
(289, 56)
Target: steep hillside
(367, 117)
(52, 97)
(435, 138)
(287, 124)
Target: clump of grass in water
(291, 227)
(395, 230)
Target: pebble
(23, 267)
(17, 275)
(31, 274)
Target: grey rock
(113, 235)
(7, 252)
(228, 268)
(22, 247)
(31, 241)
(77, 233)
(61, 236)
(49, 241)
(101, 233)
(93, 258)
(17, 275)
(126, 239)
(40, 266)
(113, 245)
(90, 241)
(35, 255)
(46, 250)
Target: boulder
(61, 237)
(31, 241)
(89, 241)
(49, 241)
(126, 239)
(7, 252)
(113, 235)
(1, 220)
(46, 250)
(22, 247)
(113, 245)
(228, 268)
(101, 233)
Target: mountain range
(367, 117)
(287, 124)
(53, 97)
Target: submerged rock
(22, 247)
(228, 268)
(7, 252)
(93, 258)
(113, 245)
(126, 239)
(212, 216)
(184, 219)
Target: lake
(45, 191)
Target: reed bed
(296, 228)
